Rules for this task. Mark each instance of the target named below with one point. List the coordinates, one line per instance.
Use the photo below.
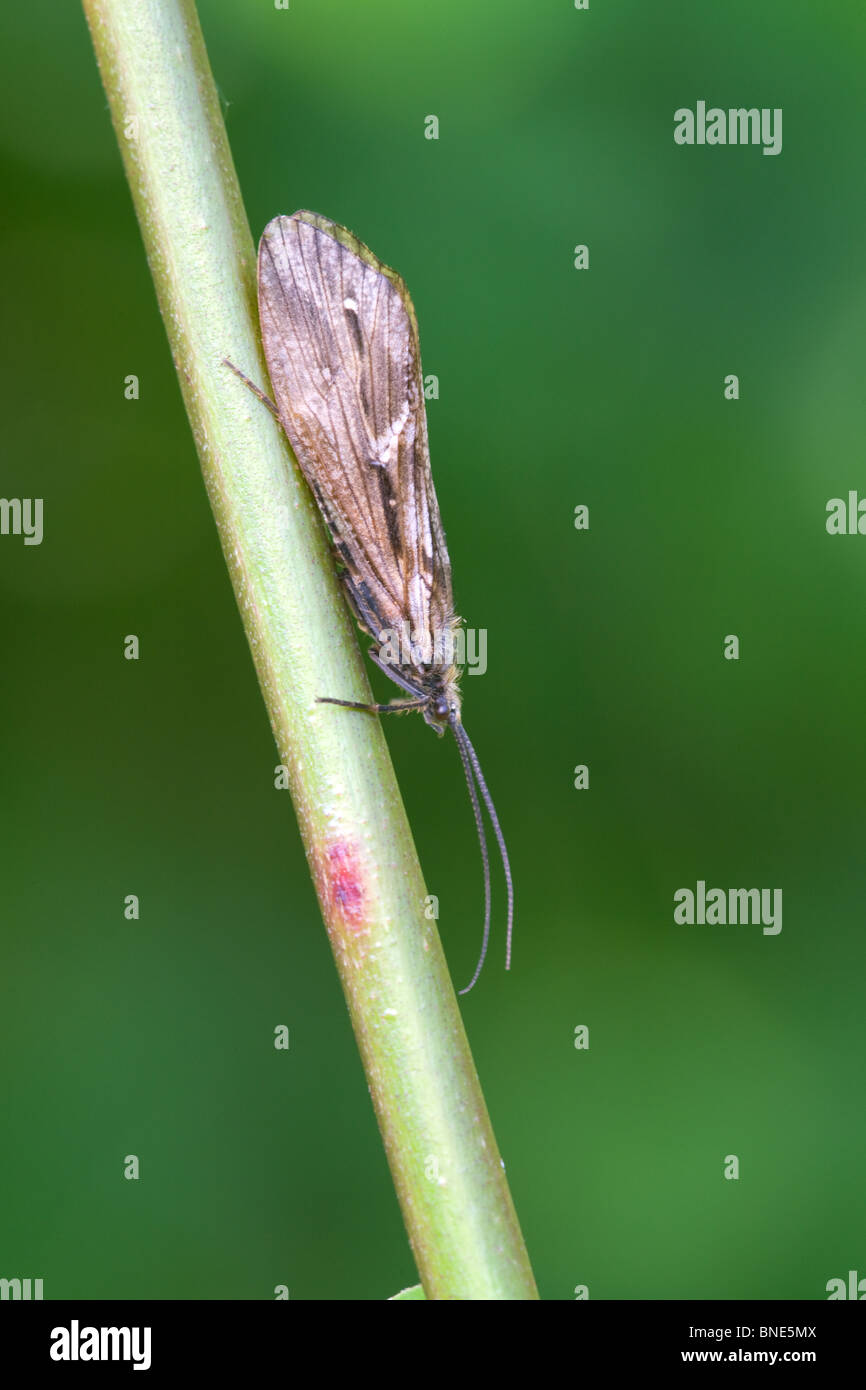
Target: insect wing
(341, 343)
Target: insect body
(341, 342)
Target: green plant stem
(437, 1134)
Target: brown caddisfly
(341, 342)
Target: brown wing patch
(341, 343)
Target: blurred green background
(558, 387)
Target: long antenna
(500, 840)
(482, 840)
(470, 760)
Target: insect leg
(395, 707)
(265, 400)
(392, 675)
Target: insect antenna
(472, 769)
(482, 840)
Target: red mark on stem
(342, 887)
